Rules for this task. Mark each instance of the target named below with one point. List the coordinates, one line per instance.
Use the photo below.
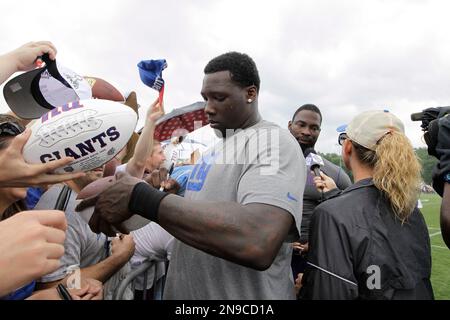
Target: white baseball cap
(367, 128)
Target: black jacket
(359, 250)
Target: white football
(91, 131)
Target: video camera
(430, 125)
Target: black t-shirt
(312, 197)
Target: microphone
(314, 162)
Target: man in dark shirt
(305, 127)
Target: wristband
(145, 201)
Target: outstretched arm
(15, 172)
(122, 249)
(324, 183)
(136, 165)
(90, 289)
(23, 58)
(248, 230)
(250, 235)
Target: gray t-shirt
(82, 247)
(312, 197)
(268, 168)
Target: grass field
(440, 276)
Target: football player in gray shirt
(243, 201)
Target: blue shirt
(33, 196)
(22, 293)
(181, 175)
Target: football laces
(68, 127)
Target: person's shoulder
(334, 168)
(332, 206)
(267, 125)
(348, 205)
(330, 164)
(285, 137)
(333, 211)
(264, 124)
(48, 199)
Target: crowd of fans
(241, 223)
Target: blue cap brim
(150, 72)
(342, 128)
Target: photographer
(436, 125)
(234, 226)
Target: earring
(249, 100)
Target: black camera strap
(63, 198)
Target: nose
(305, 131)
(209, 109)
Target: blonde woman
(370, 241)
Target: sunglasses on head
(10, 129)
(342, 137)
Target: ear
(289, 125)
(252, 93)
(347, 149)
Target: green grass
(440, 274)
